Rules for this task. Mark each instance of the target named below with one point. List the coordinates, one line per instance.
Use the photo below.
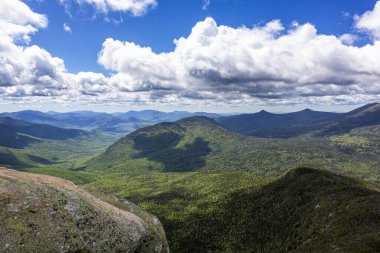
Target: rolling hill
(18, 134)
(25, 145)
(21, 159)
(288, 125)
(201, 144)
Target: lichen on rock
(46, 214)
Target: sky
(195, 55)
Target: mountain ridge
(307, 121)
(119, 123)
(202, 144)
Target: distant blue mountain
(115, 122)
(158, 116)
(265, 124)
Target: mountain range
(197, 143)
(260, 182)
(262, 124)
(265, 124)
(109, 122)
(203, 144)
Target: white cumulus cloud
(27, 71)
(260, 62)
(268, 64)
(18, 21)
(370, 21)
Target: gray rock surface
(40, 213)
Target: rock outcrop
(41, 213)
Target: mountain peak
(263, 112)
(197, 120)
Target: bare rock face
(40, 213)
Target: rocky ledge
(41, 213)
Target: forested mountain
(287, 125)
(368, 115)
(265, 124)
(305, 210)
(216, 190)
(201, 144)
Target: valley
(308, 185)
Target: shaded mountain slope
(21, 159)
(361, 111)
(63, 154)
(368, 115)
(18, 134)
(46, 214)
(267, 124)
(201, 144)
(165, 146)
(305, 210)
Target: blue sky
(219, 55)
(172, 19)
